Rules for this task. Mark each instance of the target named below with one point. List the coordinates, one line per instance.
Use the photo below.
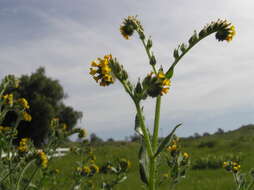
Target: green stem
(156, 123)
(186, 51)
(144, 130)
(153, 161)
(10, 171)
(31, 178)
(148, 54)
(22, 173)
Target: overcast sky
(212, 87)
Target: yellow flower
(85, 171)
(43, 159)
(227, 33)
(24, 103)
(186, 155)
(225, 164)
(102, 71)
(94, 168)
(172, 148)
(231, 33)
(5, 129)
(8, 99)
(125, 164)
(129, 25)
(26, 116)
(165, 82)
(23, 147)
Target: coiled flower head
(23, 102)
(94, 169)
(102, 73)
(226, 33)
(124, 164)
(8, 99)
(157, 85)
(129, 25)
(84, 171)
(23, 145)
(42, 159)
(26, 116)
(231, 166)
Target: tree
(45, 97)
(94, 139)
(219, 131)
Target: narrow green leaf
(143, 163)
(166, 140)
(138, 128)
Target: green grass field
(238, 141)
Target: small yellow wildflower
(43, 159)
(5, 129)
(186, 155)
(23, 147)
(24, 103)
(102, 71)
(231, 33)
(85, 171)
(165, 82)
(231, 166)
(129, 25)
(94, 168)
(172, 148)
(125, 164)
(27, 116)
(227, 33)
(8, 99)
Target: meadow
(237, 142)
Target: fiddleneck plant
(107, 70)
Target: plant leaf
(166, 140)
(143, 163)
(138, 128)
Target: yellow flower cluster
(102, 73)
(24, 103)
(173, 147)
(231, 33)
(43, 159)
(186, 155)
(94, 168)
(4, 129)
(165, 82)
(8, 99)
(226, 33)
(88, 170)
(125, 164)
(231, 166)
(129, 25)
(26, 116)
(23, 147)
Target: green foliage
(45, 97)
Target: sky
(213, 84)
